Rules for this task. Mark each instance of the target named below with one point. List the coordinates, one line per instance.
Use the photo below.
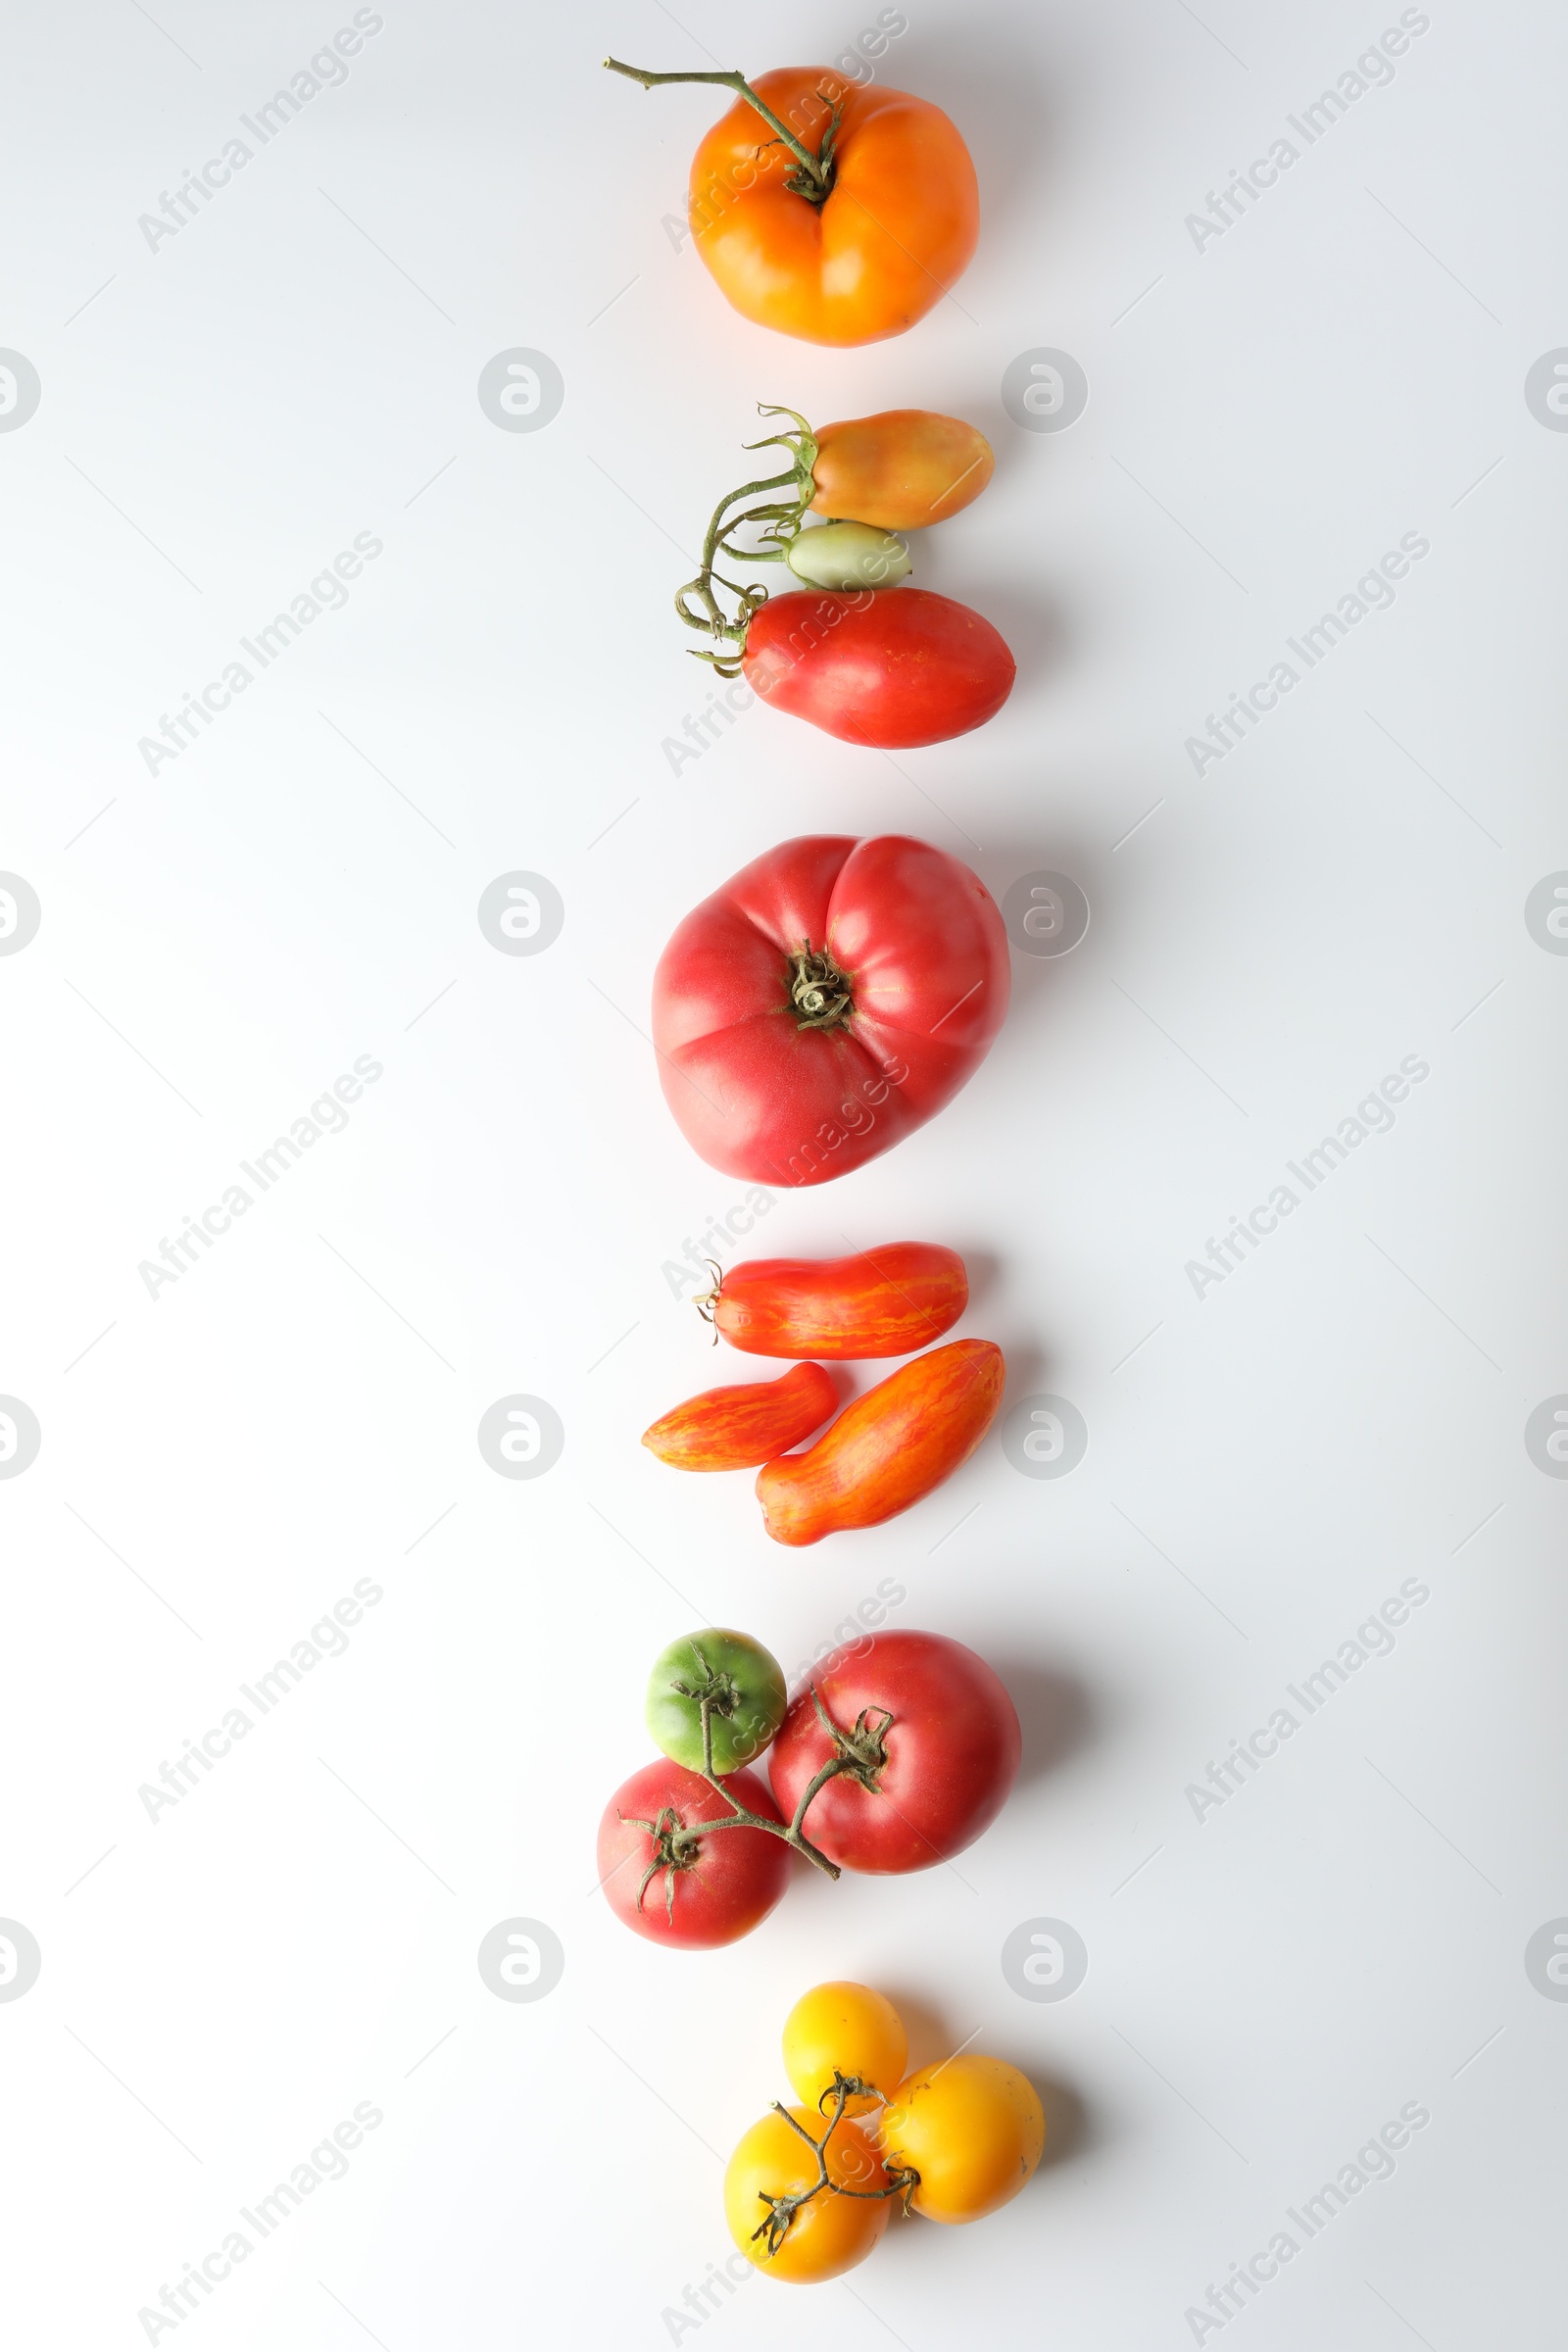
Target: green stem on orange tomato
(903, 2180)
(816, 184)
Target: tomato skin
(899, 227)
(890, 669)
(953, 1750)
(736, 1880)
(737, 1427)
(974, 2131)
(901, 469)
(851, 2029)
(830, 2234)
(925, 953)
(885, 1302)
(888, 1449)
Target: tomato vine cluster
(811, 2189)
(893, 1755)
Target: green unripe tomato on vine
(848, 555)
(737, 1682)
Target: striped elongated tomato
(886, 1302)
(888, 668)
(890, 1448)
(737, 1427)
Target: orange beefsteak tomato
(897, 228)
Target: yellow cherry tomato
(972, 2128)
(851, 2028)
(831, 2233)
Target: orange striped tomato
(890, 1448)
(736, 1428)
(886, 1302)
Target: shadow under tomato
(1067, 2122)
(1055, 1714)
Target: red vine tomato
(672, 1884)
(942, 1747)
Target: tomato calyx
(675, 1848)
(707, 1301)
(820, 992)
(813, 174)
(861, 1753)
(717, 1694)
(903, 2179)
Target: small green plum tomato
(743, 1684)
(849, 554)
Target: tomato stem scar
(819, 991)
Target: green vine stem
(814, 178)
(862, 1752)
(903, 2182)
(780, 520)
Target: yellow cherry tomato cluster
(811, 2189)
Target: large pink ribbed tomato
(826, 1002)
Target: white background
(298, 888)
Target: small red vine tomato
(669, 1882)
